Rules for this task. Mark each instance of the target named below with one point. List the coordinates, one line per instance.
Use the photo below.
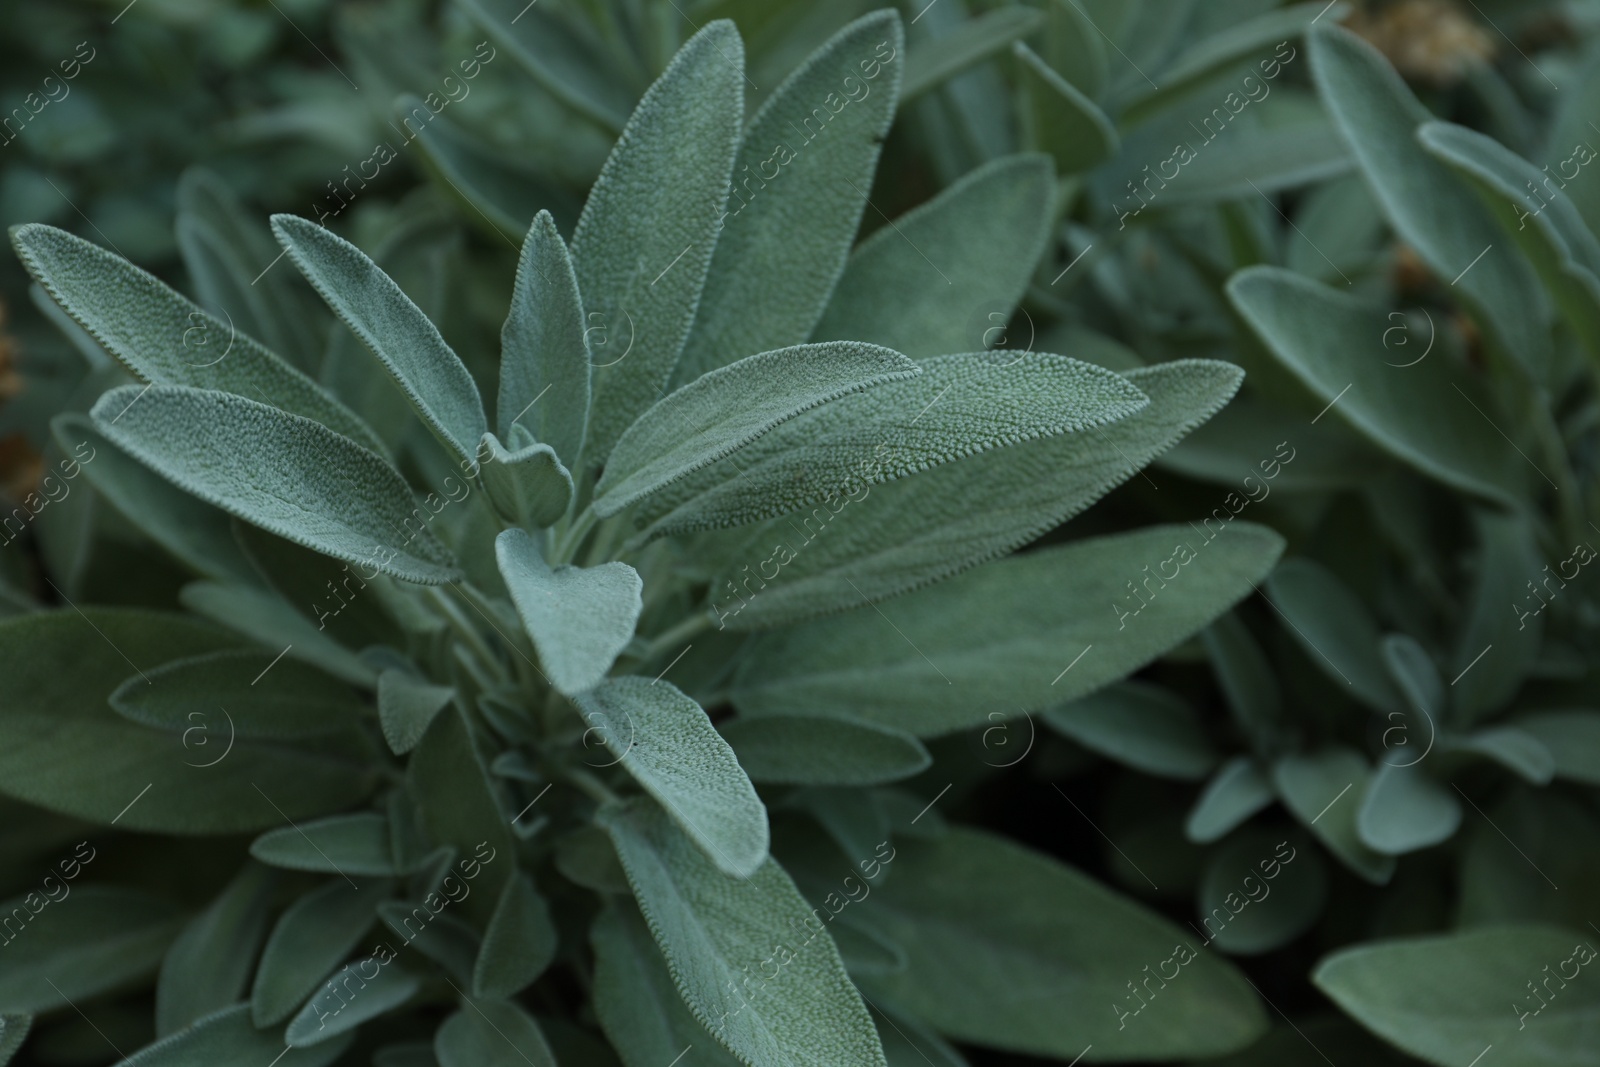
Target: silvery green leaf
(447, 939)
(814, 750)
(1237, 791)
(923, 528)
(518, 944)
(934, 62)
(711, 926)
(262, 698)
(1140, 725)
(1017, 635)
(906, 1044)
(265, 617)
(458, 806)
(544, 348)
(1246, 679)
(1072, 44)
(341, 844)
(1061, 119)
(1520, 751)
(1028, 930)
(1500, 646)
(406, 706)
(162, 337)
(209, 966)
(1414, 674)
(1572, 738)
(580, 618)
(308, 941)
(491, 1033)
(64, 749)
(396, 331)
(1323, 789)
(528, 486)
(328, 1014)
(671, 166)
(1405, 809)
(92, 939)
(1425, 413)
(821, 149)
(639, 1009)
(919, 286)
(727, 408)
(1292, 890)
(1335, 629)
(666, 741)
(958, 406)
(1430, 208)
(227, 1036)
(287, 474)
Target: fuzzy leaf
(529, 486)
(406, 706)
(1062, 120)
(812, 750)
(405, 341)
(208, 967)
(309, 940)
(60, 952)
(1140, 725)
(1414, 674)
(994, 639)
(579, 618)
(13, 1032)
(228, 1037)
(1246, 679)
(1499, 646)
(261, 699)
(726, 409)
(1405, 809)
(1237, 791)
(1517, 750)
(328, 1014)
(284, 473)
(1573, 738)
(491, 1033)
(162, 337)
(671, 166)
(919, 285)
(343, 845)
(711, 926)
(668, 744)
(519, 943)
(822, 162)
(1335, 629)
(264, 616)
(460, 808)
(1323, 790)
(934, 62)
(544, 350)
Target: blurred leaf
(59, 952)
(1237, 791)
(935, 62)
(208, 967)
(1140, 725)
(813, 750)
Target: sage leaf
(1292, 890)
(1237, 791)
(308, 941)
(1061, 120)
(936, 61)
(519, 943)
(1323, 790)
(260, 698)
(13, 1032)
(1573, 740)
(1246, 679)
(265, 617)
(1140, 725)
(812, 750)
(406, 706)
(544, 348)
(528, 486)
(1333, 626)
(460, 808)
(58, 952)
(327, 1015)
(208, 967)
(342, 844)
(227, 1036)
(1405, 809)
(491, 1033)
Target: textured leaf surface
(460, 808)
(395, 330)
(800, 183)
(261, 699)
(157, 334)
(528, 486)
(406, 706)
(960, 405)
(208, 967)
(671, 166)
(89, 941)
(491, 1033)
(228, 1037)
(342, 844)
(710, 927)
(266, 617)
(1008, 636)
(731, 406)
(579, 618)
(518, 944)
(544, 352)
(811, 750)
(668, 744)
(63, 748)
(1140, 725)
(328, 1015)
(284, 473)
(918, 285)
(309, 940)
(995, 933)
(1447, 998)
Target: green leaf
(1428, 206)
(726, 409)
(666, 741)
(1516, 749)
(281, 472)
(788, 170)
(906, 1044)
(544, 348)
(1062, 120)
(58, 952)
(580, 618)
(919, 285)
(1333, 626)
(1573, 739)
(459, 803)
(447, 940)
(1499, 653)
(518, 945)
(811, 750)
(1414, 674)
(960, 405)
(208, 967)
(491, 1033)
(405, 341)
(1140, 725)
(374, 985)
(1246, 679)
(13, 1032)
(711, 927)
(162, 337)
(64, 749)
(529, 486)
(1422, 414)
(1236, 792)
(934, 62)
(406, 706)
(261, 699)
(1029, 931)
(309, 940)
(1005, 637)
(228, 1037)
(670, 166)
(921, 529)
(342, 844)
(1323, 790)
(266, 617)
(1406, 809)
(1258, 898)
(640, 1011)
(1445, 998)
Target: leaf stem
(567, 539)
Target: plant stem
(564, 545)
(684, 630)
(468, 632)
